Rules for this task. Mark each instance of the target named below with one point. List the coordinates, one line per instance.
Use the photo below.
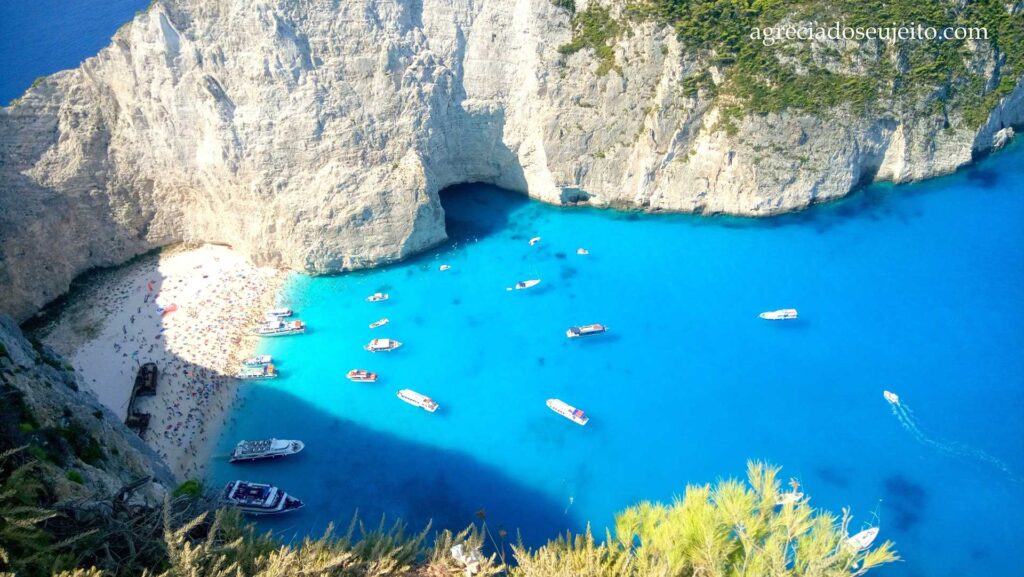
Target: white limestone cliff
(315, 135)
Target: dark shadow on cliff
(347, 467)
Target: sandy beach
(189, 311)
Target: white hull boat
(247, 373)
(382, 345)
(378, 297)
(280, 313)
(278, 328)
(418, 400)
(247, 451)
(259, 498)
(585, 330)
(862, 540)
(568, 411)
(780, 315)
(379, 323)
(893, 398)
(258, 361)
(361, 376)
(527, 284)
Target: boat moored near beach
(361, 376)
(259, 498)
(279, 328)
(247, 373)
(280, 313)
(257, 361)
(246, 451)
(585, 330)
(379, 323)
(418, 400)
(382, 345)
(779, 315)
(378, 297)
(568, 411)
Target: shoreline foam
(125, 318)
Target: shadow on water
(347, 467)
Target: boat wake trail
(905, 416)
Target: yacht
(257, 361)
(378, 297)
(379, 323)
(779, 315)
(893, 398)
(361, 376)
(862, 540)
(279, 328)
(280, 313)
(585, 330)
(265, 449)
(417, 400)
(379, 345)
(527, 284)
(259, 499)
(568, 411)
(534, 240)
(247, 373)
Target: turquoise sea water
(915, 289)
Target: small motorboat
(534, 240)
(378, 297)
(382, 345)
(280, 312)
(779, 315)
(585, 330)
(893, 398)
(445, 267)
(789, 498)
(418, 400)
(862, 540)
(361, 376)
(582, 251)
(568, 411)
(379, 323)
(527, 284)
(258, 361)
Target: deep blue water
(914, 288)
(40, 37)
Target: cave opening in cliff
(473, 211)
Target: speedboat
(779, 315)
(248, 373)
(789, 497)
(280, 313)
(361, 376)
(891, 397)
(585, 330)
(246, 451)
(862, 540)
(582, 251)
(378, 345)
(568, 411)
(279, 328)
(257, 361)
(378, 297)
(379, 323)
(527, 284)
(259, 498)
(445, 267)
(534, 240)
(418, 400)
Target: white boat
(582, 251)
(279, 328)
(258, 361)
(568, 411)
(789, 497)
(534, 240)
(862, 540)
(361, 376)
(527, 284)
(378, 345)
(246, 451)
(378, 297)
(779, 315)
(379, 323)
(259, 498)
(445, 267)
(585, 330)
(280, 313)
(417, 400)
(258, 372)
(891, 397)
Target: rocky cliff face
(88, 452)
(316, 135)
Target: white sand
(115, 325)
